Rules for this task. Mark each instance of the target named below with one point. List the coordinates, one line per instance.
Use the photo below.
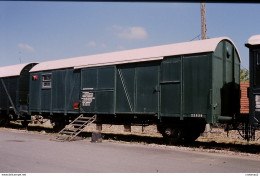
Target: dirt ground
(216, 134)
(216, 141)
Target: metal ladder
(74, 128)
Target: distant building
(244, 101)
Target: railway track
(216, 143)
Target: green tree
(244, 75)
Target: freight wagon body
(254, 89)
(14, 91)
(180, 87)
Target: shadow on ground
(249, 148)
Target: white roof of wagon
(254, 40)
(135, 55)
(13, 70)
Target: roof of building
(254, 40)
(135, 55)
(13, 70)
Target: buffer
(75, 128)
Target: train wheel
(175, 137)
(171, 134)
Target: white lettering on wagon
(88, 88)
(196, 115)
(87, 98)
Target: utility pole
(203, 37)
(203, 21)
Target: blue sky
(43, 31)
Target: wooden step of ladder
(75, 128)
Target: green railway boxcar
(14, 91)
(180, 87)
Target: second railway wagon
(180, 87)
(14, 92)
(254, 90)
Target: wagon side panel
(170, 83)
(35, 92)
(146, 96)
(97, 90)
(197, 82)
